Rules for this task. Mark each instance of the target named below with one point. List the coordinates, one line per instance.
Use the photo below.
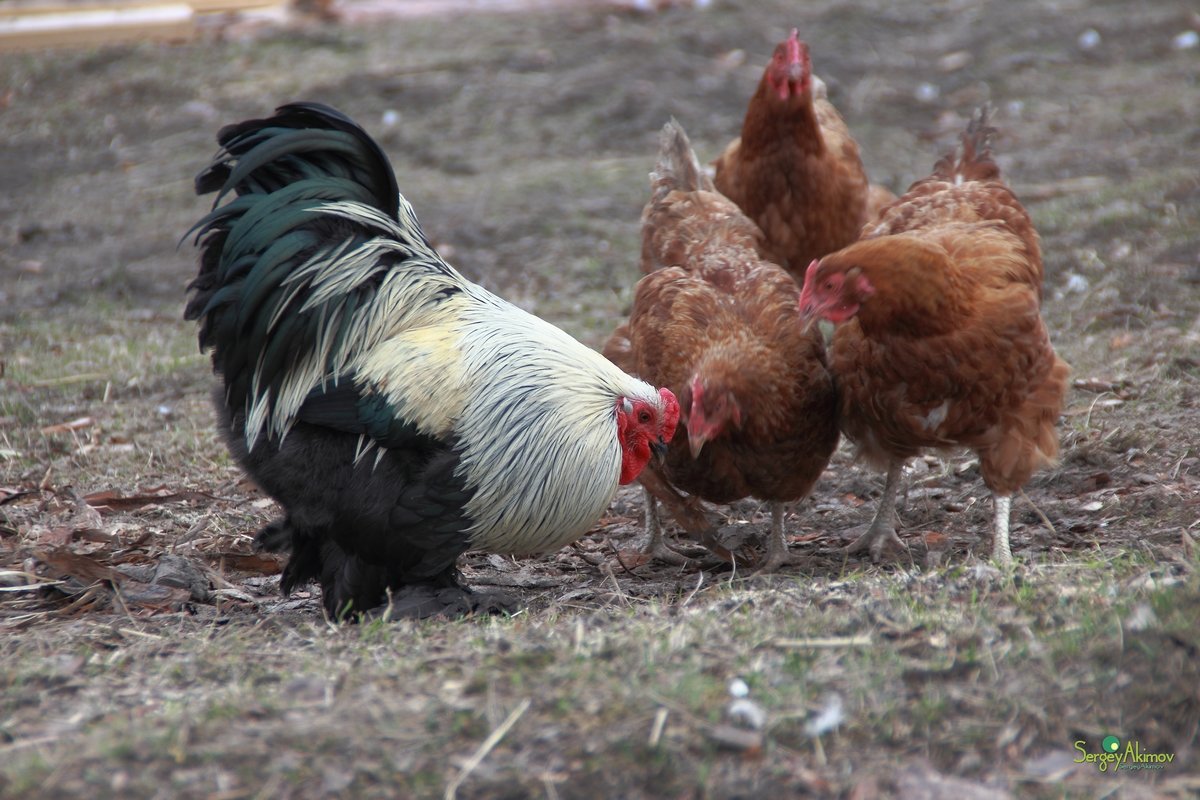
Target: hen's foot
(658, 549)
(877, 540)
(777, 557)
(773, 562)
(777, 547)
(423, 601)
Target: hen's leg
(777, 549)
(1001, 552)
(882, 533)
(688, 515)
(657, 546)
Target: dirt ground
(146, 652)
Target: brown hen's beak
(808, 314)
(696, 441)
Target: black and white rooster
(398, 413)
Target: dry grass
(153, 656)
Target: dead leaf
(262, 563)
(865, 789)
(8, 495)
(1122, 340)
(631, 559)
(609, 521)
(922, 780)
(111, 501)
(59, 536)
(64, 563)
(93, 581)
(934, 540)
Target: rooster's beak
(659, 449)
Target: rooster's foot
(422, 601)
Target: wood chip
(739, 739)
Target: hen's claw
(777, 548)
(876, 541)
(658, 549)
(776, 559)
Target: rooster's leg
(777, 549)
(1001, 552)
(882, 533)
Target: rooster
(940, 341)
(720, 327)
(795, 170)
(398, 413)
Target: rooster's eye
(644, 416)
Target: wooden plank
(225, 6)
(173, 21)
(40, 7)
(25, 8)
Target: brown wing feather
(993, 384)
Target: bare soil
(146, 651)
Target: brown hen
(720, 325)
(940, 341)
(795, 170)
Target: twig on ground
(1045, 520)
(699, 583)
(481, 753)
(858, 640)
(660, 720)
(608, 571)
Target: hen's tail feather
(678, 168)
(974, 155)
